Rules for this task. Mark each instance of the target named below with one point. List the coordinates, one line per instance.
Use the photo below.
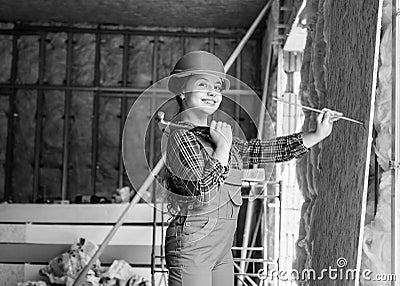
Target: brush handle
(317, 110)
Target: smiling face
(202, 94)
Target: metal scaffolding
(396, 144)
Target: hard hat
(196, 62)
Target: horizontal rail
(134, 90)
(36, 29)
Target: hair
(166, 178)
(180, 103)
(178, 200)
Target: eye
(217, 87)
(202, 84)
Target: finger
(337, 114)
(329, 111)
(319, 118)
(213, 124)
(224, 124)
(328, 115)
(219, 124)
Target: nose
(212, 93)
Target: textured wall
(337, 73)
(139, 75)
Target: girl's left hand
(325, 122)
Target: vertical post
(265, 232)
(183, 47)
(153, 98)
(237, 95)
(67, 115)
(211, 47)
(396, 144)
(265, 92)
(250, 202)
(278, 225)
(8, 188)
(95, 117)
(279, 132)
(152, 135)
(123, 110)
(376, 174)
(246, 235)
(39, 117)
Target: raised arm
(279, 149)
(287, 147)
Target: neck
(196, 119)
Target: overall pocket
(196, 228)
(194, 224)
(236, 201)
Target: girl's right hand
(221, 134)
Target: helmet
(196, 62)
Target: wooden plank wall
(32, 234)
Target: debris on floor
(65, 268)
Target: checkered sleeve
(279, 149)
(193, 171)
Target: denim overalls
(198, 244)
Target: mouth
(209, 101)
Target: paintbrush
(317, 110)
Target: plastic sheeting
(4, 109)
(108, 153)
(140, 74)
(111, 60)
(51, 145)
(377, 236)
(6, 58)
(56, 57)
(28, 59)
(24, 144)
(83, 59)
(140, 61)
(80, 159)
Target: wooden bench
(32, 234)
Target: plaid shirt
(193, 172)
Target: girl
(204, 171)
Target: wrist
(223, 146)
(312, 138)
(320, 135)
(221, 153)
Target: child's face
(203, 93)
